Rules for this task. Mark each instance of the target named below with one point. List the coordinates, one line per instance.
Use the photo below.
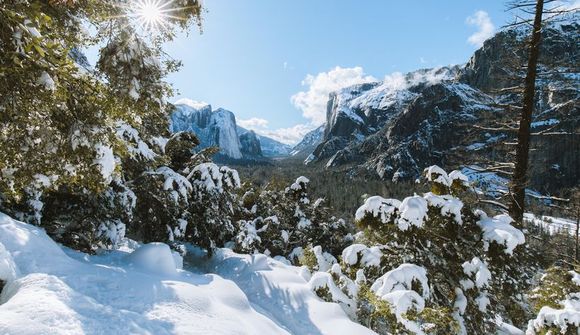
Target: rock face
(270, 147)
(401, 125)
(310, 141)
(213, 128)
(218, 128)
(250, 145)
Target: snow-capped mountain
(218, 128)
(398, 126)
(305, 147)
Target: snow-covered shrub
(161, 207)
(283, 219)
(432, 264)
(214, 205)
(556, 301)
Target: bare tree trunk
(519, 181)
(577, 258)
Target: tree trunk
(577, 258)
(519, 181)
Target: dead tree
(519, 181)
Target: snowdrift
(53, 290)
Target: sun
(151, 14)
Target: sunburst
(153, 15)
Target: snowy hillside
(142, 289)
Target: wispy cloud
(485, 28)
(312, 102)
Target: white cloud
(253, 123)
(313, 102)
(290, 136)
(485, 28)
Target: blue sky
(254, 55)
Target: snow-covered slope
(552, 225)
(51, 290)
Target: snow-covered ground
(142, 290)
(552, 225)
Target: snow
(177, 184)
(549, 122)
(46, 80)
(105, 160)
(368, 256)
(413, 212)
(283, 294)
(378, 206)
(437, 175)
(322, 280)
(402, 278)
(499, 229)
(457, 175)
(8, 270)
(449, 205)
(324, 259)
(215, 178)
(191, 103)
(552, 225)
(135, 145)
(300, 183)
(477, 268)
(563, 318)
(153, 257)
(54, 290)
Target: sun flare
(151, 14)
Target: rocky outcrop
(250, 145)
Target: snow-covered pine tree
(429, 264)
(284, 221)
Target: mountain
(269, 146)
(405, 123)
(218, 128)
(305, 147)
(213, 127)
